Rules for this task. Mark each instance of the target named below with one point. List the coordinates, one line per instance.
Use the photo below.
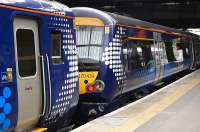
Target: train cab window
(56, 40)
(26, 52)
(89, 42)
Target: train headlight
(90, 88)
(98, 86)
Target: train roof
(41, 5)
(91, 12)
(112, 19)
(125, 20)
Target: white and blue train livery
(38, 65)
(119, 55)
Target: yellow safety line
(39, 130)
(136, 121)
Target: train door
(159, 55)
(28, 72)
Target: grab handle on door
(49, 80)
(44, 85)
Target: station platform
(174, 108)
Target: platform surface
(174, 108)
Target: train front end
(98, 81)
(90, 40)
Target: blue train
(119, 55)
(38, 65)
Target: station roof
(174, 13)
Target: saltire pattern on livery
(119, 55)
(38, 65)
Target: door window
(26, 52)
(56, 40)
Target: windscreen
(89, 43)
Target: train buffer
(171, 109)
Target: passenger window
(56, 40)
(26, 52)
(175, 50)
(170, 51)
(197, 46)
(186, 52)
(140, 55)
(148, 54)
(178, 49)
(125, 56)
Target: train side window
(56, 40)
(178, 49)
(26, 52)
(134, 55)
(149, 59)
(197, 47)
(170, 51)
(125, 56)
(140, 54)
(186, 52)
